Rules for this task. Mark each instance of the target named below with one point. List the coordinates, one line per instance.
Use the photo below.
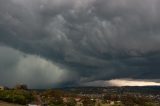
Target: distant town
(20, 95)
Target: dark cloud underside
(96, 39)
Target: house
(34, 105)
(112, 102)
(3, 88)
(65, 99)
(79, 104)
(77, 99)
(21, 87)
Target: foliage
(130, 100)
(71, 102)
(16, 96)
(88, 102)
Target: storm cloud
(91, 40)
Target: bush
(16, 96)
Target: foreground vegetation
(8, 104)
(16, 96)
(83, 97)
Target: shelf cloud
(121, 82)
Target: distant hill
(134, 89)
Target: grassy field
(8, 104)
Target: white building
(3, 88)
(33, 105)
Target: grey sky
(86, 40)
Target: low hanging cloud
(96, 39)
(20, 68)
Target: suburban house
(3, 88)
(33, 105)
(21, 87)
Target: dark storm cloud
(97, 39)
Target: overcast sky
(59, 43)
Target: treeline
(118, 90)
(54, 98)
(16, 96)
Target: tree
(71, 102)
(87, 102)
